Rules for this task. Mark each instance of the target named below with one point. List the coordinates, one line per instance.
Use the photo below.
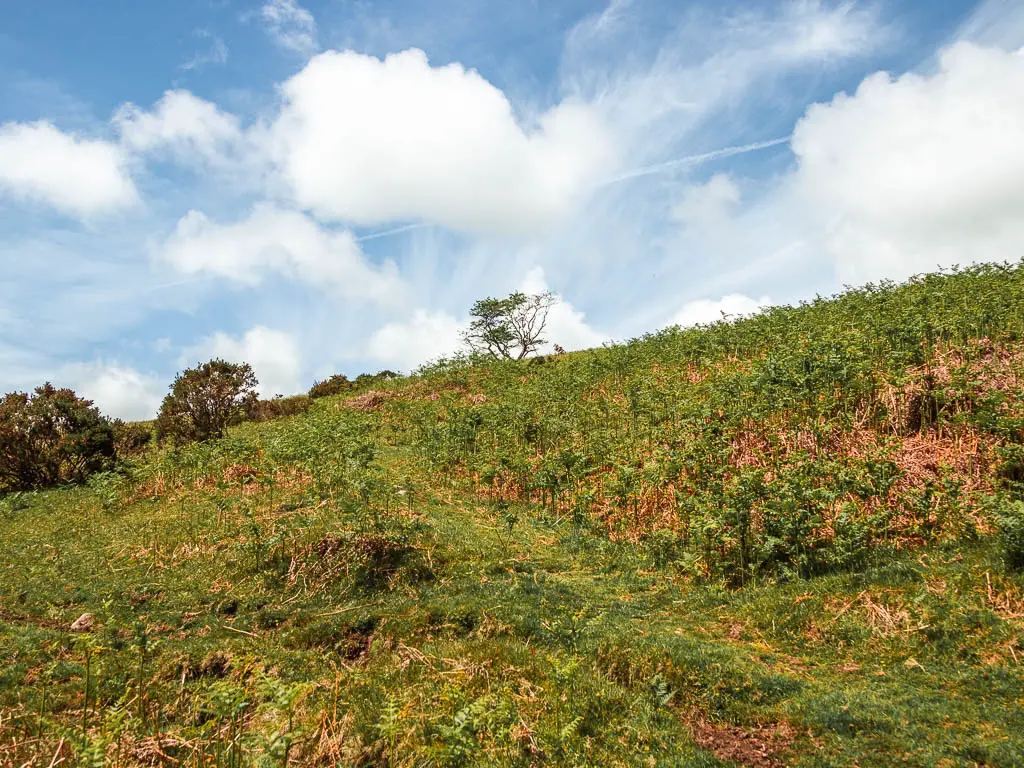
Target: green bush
(206, 400)
(335, 385)
(50, 437)
(131, 437)
(1010, 520)
(280, 406)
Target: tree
(206, 400)
(51, 436)
(511, 327)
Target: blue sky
(328, 186)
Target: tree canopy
(512, 327)
(206, 400)
(49, 437)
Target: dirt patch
(759, 746)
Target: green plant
(335, 385)
(510, 328)
(51, 436)
(1010, 521)
(206, 400)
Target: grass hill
(795, 539)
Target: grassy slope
(767, 542)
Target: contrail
(395, 231)
(696, 159)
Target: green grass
(665, 553)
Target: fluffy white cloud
(118, 391)
(273, 355)
(182, 124)
(368, 141)
(920, 171)
(291, 26)
(276, 240)
(407, 344)
(703, 311)
(83, 177)
(566, 325)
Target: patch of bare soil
(759, 746)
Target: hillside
(794, 539)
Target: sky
(328, 186)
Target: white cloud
(732, 306)
(287, 242)
(291, 26)
(425, 336)
(566, 325)
(813, 31)
(83, 177)
(708, 205)
(995, 22)
(118, 391)
(216, 53)
(919, 171)
(369, 141)
(274, 357)
(183, 125)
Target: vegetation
(788, 540)
(509, 328)
(335, 385)
(206, 400)
(339, 383)
(49, 437)
(280, 406)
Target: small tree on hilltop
(51, 436)
(512, 327)
(206, 400)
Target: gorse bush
(131, 437)
(206, 400)
(279, 407)
(49, 437)
(339, 383)
(335, 385)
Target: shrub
(131, 437)
(206, 400)
(335, 385)
(369, 379)
(1010, 520)
(51, 436)
(280, 406)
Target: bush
(370, 379)
(131, 437)
(280, 406)
(335, 385)
(206, 400)
(51, 437)
(1010, 520)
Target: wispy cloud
(216, 52)
(291, 26)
